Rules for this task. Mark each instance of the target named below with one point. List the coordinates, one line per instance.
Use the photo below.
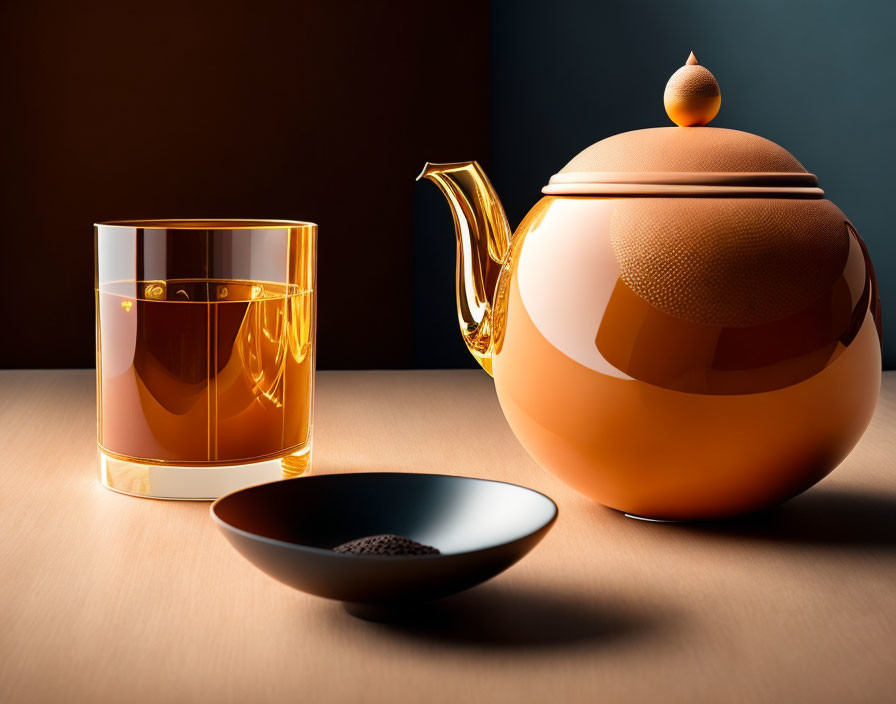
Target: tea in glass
(205, 354)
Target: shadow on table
(493, 616)
(823, 517)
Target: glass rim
(206, 224)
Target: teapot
(683, 327)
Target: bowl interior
(453, 514)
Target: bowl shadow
(493, 616)
(823, 517)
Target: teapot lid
(688, 160)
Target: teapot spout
(483, 240)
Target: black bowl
(288, 529)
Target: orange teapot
(683, 327)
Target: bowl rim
(224, 525)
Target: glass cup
(205, 344)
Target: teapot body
(687, 358)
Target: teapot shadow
(823, 517)
(496, 617)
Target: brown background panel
(319, 111)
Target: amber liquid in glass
(204, 372)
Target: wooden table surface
(109, 598)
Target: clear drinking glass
(205, 344)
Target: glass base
(156, 481)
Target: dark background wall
(317, 111)
(326, 111)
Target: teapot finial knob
(692, 95)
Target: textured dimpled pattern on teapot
(683, 327)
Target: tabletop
(110, 598)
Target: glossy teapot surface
(682, 328)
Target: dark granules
(387, 545)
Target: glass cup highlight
(205, 347)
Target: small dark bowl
(288, 529)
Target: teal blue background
(818, 78)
